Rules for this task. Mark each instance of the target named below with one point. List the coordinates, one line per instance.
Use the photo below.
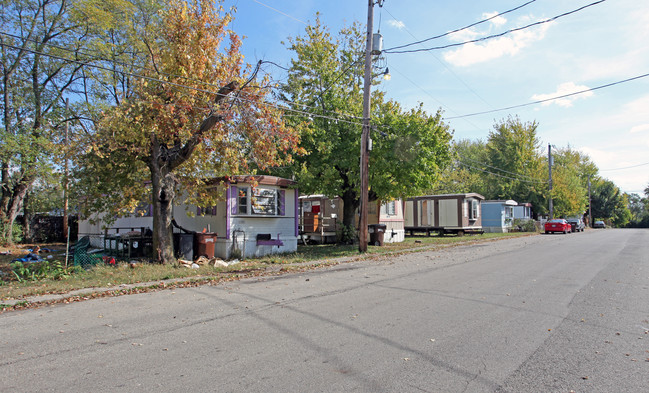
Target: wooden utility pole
(550, 179)
(66, 175)
(365, 136)
(590, 209)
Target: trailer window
(474, 212)
(389, 209)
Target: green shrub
(524, 225)
(346, 234)
(16, 234)
(41, 270)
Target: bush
(16, 235)
(40, 270)
(346, 234)
(524, 225)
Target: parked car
(599, 224)
(557, 225)
(577, 224)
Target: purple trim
(227, 211)
(276, 242)
(297, 218)
(270, 242)
(282, 202)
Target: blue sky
(601, 44)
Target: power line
(551, 99)
(280, 12)
(179, 85)
(448, 69)
(497, 174)
(93, 58)
(462, 28)
(88, 63)
(502, 170)
(495, 35)
(626, 167)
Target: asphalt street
(546, 313)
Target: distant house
(523, 211)
(497, 215)
(321, 217)
(256, 216)
(446, 213)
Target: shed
(497, 215)
(446, 213)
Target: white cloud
(464, 35)
(510, 44)
(640, 128)
(563, 89)
(497, 21)
(397, 23)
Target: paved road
(549, 313)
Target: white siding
(448, 213)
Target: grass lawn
(54, 278)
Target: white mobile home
(256, 216)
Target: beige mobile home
(449, 213)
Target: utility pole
(66, 180)
(590, 209)
(550, 179)
(365, 136)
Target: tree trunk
(350, 204)
(27, 219)
(163, 196)
(15, 204)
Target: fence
(91, 249)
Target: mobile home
(321, 217)
(256, 216)
(448, 213)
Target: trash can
(204, 244)
(184, 246)
(377, 234)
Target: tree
(606, 200)
(570, 182)
(36, 39)
(465, 174)
(189, 117)
(515, 165)
(325, 80)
